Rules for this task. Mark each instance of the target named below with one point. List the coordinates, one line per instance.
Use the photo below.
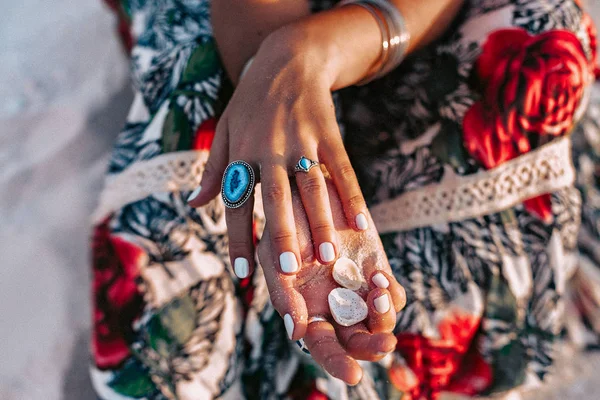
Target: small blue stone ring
(305, 164)
(238, 184)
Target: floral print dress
(492, 289)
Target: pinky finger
(382, 316)
(383, 280)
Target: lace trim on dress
(455, 198)
(171, 172)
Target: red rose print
(532, 86)
(204, 135)
(433, 363)
(473, 377)
(316, 395)
(117, 301)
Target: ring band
(305, 164)
(316, 318)
(237, 184)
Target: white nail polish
(289, 325)
(194, 194)
(382, 304)
(380, 281)
(288, 262)
(327, 252)
(361, 222)
(241, 267)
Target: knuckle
(239, 244)
(320, 228)
(238, 248)
(240, 213)
(274, 194)
(311, 186)
(278, 296)
(282, 238)
(345, 171)
(354, 201)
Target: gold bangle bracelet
(385, 40)
(399, 36)
(394, 33)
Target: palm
(332, 345)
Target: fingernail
(382, 304)
(380, 281)
(327, 252)
(194, 194)
(241, 267)
(361, 222)
(289, 325)
(288, 262)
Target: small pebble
(347, 307)
(347, 274)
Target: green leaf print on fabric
(133, 381)
(448, 147)
(171, 327)
(501, 302)
(179, 319)
(158, 337)
(176, 132)
(203, 63)
(508, 361)
(509, 366)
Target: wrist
(345, 40)
(301, 46)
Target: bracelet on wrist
(394, 34)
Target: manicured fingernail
(327, 252)
(289, 325)
(194, 194)
(361, 222)
(288, 262)
(241, 267)
(382, 304)
(380, 280)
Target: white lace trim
(169, 172)
(456, 198)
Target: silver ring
(305, 164)
(316, 318)
(237, 184)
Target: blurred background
(64, 95)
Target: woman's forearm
(345, 40)
(352, 38)
(240, 26)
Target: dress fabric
(489, 298)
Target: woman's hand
(283, 110)
(332, 345)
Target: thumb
(218, 159)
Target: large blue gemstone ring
(238, 184)
(305, 164)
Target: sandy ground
(63, 97)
